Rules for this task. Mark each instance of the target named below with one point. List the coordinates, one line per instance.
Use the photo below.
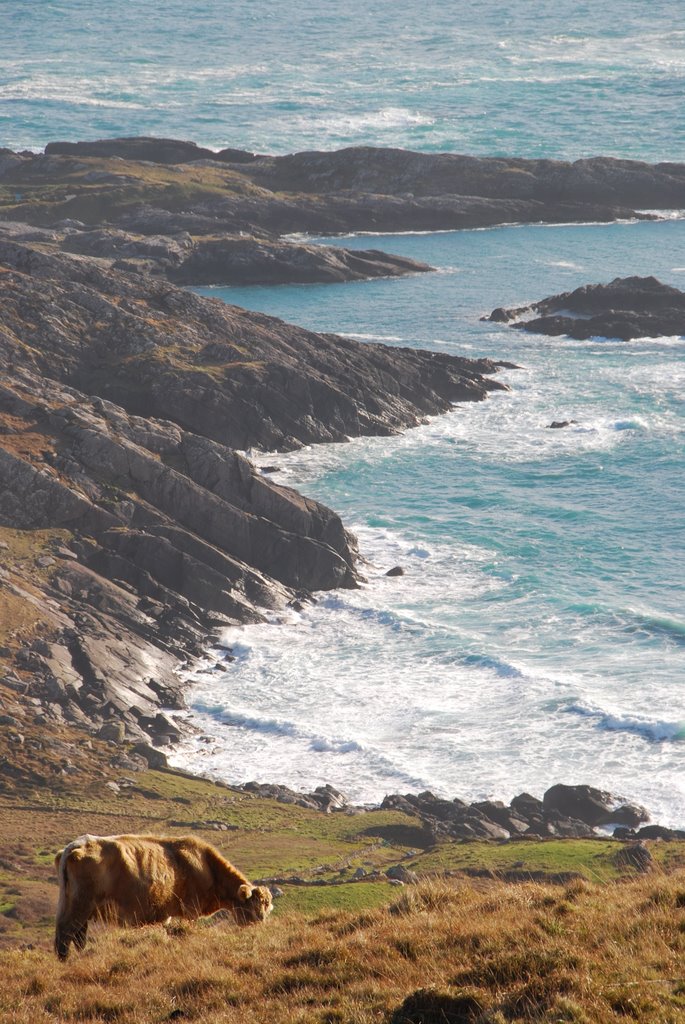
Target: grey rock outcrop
(626, 308)
(592, 806)
(565, 812)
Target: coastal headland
(196, 216)
(132, 527)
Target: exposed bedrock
(248, 261)
(627, 307)
(387, 171)
(162, 151)
(225, 259)
(216, 217)
(598, 180)
(237, 377)
(122, 403)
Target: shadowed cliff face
(122, 403)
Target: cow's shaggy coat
(137, 880)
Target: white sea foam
(653, 730)
(344, 125)
(371, 337)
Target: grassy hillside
(438, 953)
(606, 945)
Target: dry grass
(592, 954)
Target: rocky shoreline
(195, 216)
(131, 526)
(123, 411)
(563, 812)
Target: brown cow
(136, 880)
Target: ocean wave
(344, 125)
(502, 668)
(655, 731)
(84, 94)
(212, 748)
(657, 624)
(270, 726)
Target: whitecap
(655, 731)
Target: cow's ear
(244, 892)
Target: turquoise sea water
(527, 77)
(539, 632)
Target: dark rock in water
(630, 815)
(559, 424)
(630, 307)
(397, 570)
(590, 805)
(498, 316)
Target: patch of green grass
(591, 858)
(357, 896)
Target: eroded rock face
(122, 403)
(172, 253)
(628, 307)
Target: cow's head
(253, 905)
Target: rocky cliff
(131, 527)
